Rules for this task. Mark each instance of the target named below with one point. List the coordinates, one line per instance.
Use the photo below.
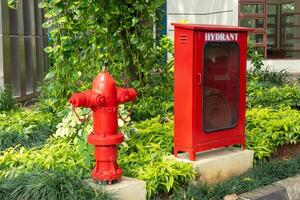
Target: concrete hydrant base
(126, 189)
(220, 164)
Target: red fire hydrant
(103, 100)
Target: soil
(287, 151)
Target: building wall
(22, 40)
(202, 12)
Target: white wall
(223, 12)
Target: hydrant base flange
(96, 175)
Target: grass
(263, 173)
(48, 185)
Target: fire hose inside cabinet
(217, 112)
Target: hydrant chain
(79, 118)
(129, 114)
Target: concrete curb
(288, 189)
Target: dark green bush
(10, 139)
(268, 76)
(25, 127)
(6, 100)
(149, 107)
(276, 97)
(46, 185)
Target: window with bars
(272, 24)
(276, 27)
(252, 14)
(289, 31)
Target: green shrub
(267, 129)
(263, 173)
(263, 74)
(276, 97)
(6, 100)
(143, 155)
(27, 127)
(268, 76)
(152, 106)
(54, 185)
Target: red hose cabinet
(209, 87)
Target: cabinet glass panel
(220, 86)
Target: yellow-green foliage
(56, 154)
(165, 175)
(268, 128)
(24, 121)
(144, 155)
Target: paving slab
(220, 164)
(126, 189)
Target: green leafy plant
(267, 129)
(165, 175)
(268, 76)
(24, 120)
(6, 100)
(118, 35)
(158, 102)
(256, 58)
